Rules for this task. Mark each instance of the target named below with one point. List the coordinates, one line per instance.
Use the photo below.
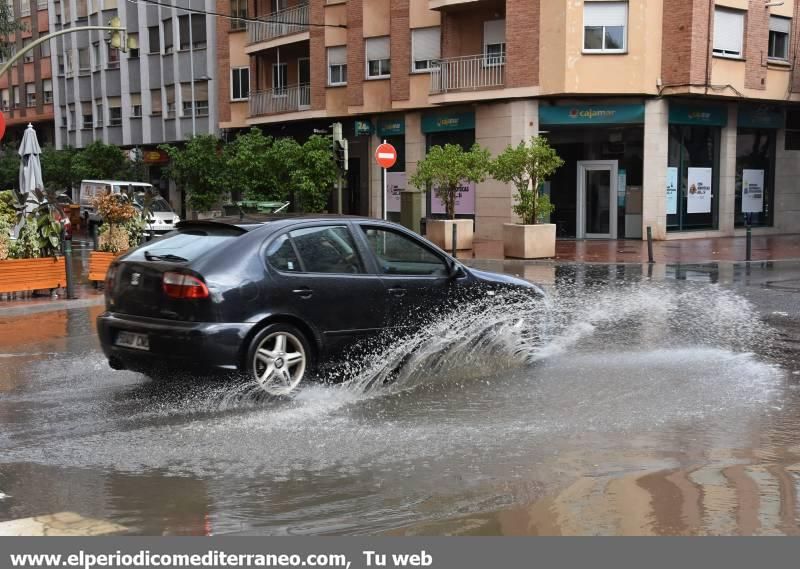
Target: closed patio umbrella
(30, 170)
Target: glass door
(597, 199)
(304, 81)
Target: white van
(162, 217)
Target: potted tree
(122, 229)
(445, 169)
(527, 167)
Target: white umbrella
(30, 170)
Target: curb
(51, 306)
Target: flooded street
(628, 403)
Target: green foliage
(137, 169)
(9, 165)
(44, 218)
(8, 212)
(5, 238)
(27, 245)
(446, 168)
(58, 168)
(199, 169)
(528, 166)
(8, 25)
(314, 174)
(251, 167)
(100, 161)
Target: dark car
(272, 299)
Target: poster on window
(672, 190)
(395, 183)
(752, 191)
(465, 200)
(699, 190)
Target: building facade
(157, 93)
(681, 116)
(26, 91)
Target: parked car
(273, 299)
(162, 218)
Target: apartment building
(679, 115)
(153, 94)
(26, 91)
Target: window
(278, 5)
(114, 111)
(400, 255)
(30, 95)
(755, 150)
(44, 49)
(81, 13)
(197, 100)
(192, 29)
(425, 48)
(155, 102)
(63, 117)
(72, 123)
(153, 39)
(15, 96)
(96, 56)
(779, 30)
(240, 83)
(280, 76)
(328, 250)
(281, 255)
(99, 115)
(604, 27)
(113, 57)
(238, 10)
(728, 32)
(168, 46)
(379, 63)
(170, 92)
(28, 57)
(792, 130)
(5, 99)
(88, 117)
(337, 65)
(83, 61)
(47, 87)
(494, 42)
(133, 53)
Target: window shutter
(728, 31)
(337, 55)
(494, 32)
(155, 101)
(778, 24)
(378, 48)
(136, 99)
(609, 14)
(201, 91)
(426, 44)
(114, 101)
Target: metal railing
(289, 21)
(284, 100)
(468, 73)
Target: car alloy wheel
(279, 363)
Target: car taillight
(110, 276)
(182, 286)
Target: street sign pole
(385, 187)
(386, 157)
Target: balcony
(447, 4)
(276, 28)
(468, 73)
(276, 101)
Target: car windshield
(188, 244)
(159, 205)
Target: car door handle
(303, 292)
(397, 291)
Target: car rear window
(188, 243)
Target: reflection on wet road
(625, 405)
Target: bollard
(749, 244)
(455, 240)
(650, 245)
(66, 245)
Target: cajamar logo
(592, 114)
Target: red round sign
(2, 125)
(386, 156)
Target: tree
(58, 168)
(528, 167)
(9, 25)
(198, 169)
(9, 166)
(446, 168)
(252, 168)
(100, 161)
(314, 174)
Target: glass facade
(755, 153)
(692, 150)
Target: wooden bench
(17, 275)
(98, 265)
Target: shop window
(755, 175)
(379, 62)
(494, 42)
(694, 166)
(425, 48)
(337, 65)
(728, 32)
(779, 30)
(605, 27)
(792, 130)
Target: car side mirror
(454, 270)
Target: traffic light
(119, 38)
(340, 147)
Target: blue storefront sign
(585, 115)
(760, 116)
(698, 115)
(391, 127)
(363, 127)
(448, 122)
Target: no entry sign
(386, 156)
(2, 126)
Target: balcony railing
(468, 73)
(286, 22)
(284, 100)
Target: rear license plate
(134, 341)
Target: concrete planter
(18, 275)
(529, 241)
(440, 231)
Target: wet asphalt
(636, 401)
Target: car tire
(279, 358)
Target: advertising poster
(752, 191)
(395, 183)
(465, 201)
(699, 190)
(672, 190)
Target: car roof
(251, 221)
